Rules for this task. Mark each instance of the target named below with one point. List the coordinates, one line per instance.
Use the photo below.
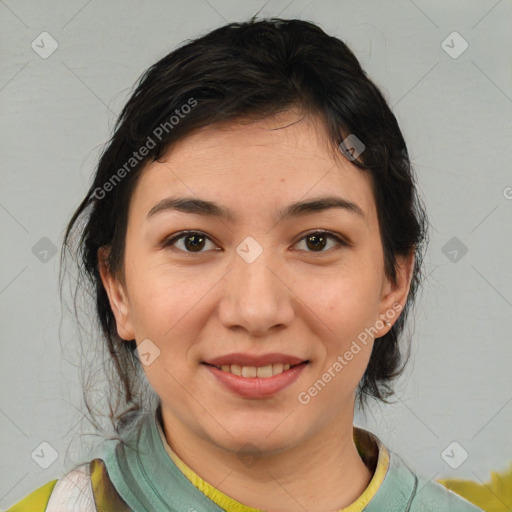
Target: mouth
(256, 382)
(264, 372)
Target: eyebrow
(211, 209)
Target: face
(297, 287)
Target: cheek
(162, 297)
(168, 313)
(344, 299)
(347, 303)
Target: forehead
(254, 168)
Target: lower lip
(257, 387)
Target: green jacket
(138, 475)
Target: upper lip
(253, 360)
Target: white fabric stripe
(73, 492)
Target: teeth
(235, 369)
(264, 371)
(249, 371)
(277, 368)
(253, 371)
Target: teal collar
(148, 480)
(146, 477)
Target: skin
(293, 299)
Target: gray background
(456, 117)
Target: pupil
(321, 237)
(196, 245)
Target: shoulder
(85, 488)
(72, 489)
(430, 495)
(424, 495)
(403, 490)
(36, 501)
(493, 494)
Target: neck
(326, 469)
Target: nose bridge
(255, 297)
(253, 272)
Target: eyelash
(174, 238)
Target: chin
(257, 440)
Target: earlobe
(117, 297)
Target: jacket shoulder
(493, 494)
(85, 488)
(36, 501)
(432, 495)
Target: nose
(256, 297)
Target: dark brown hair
(252, 69)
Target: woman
(254, 240)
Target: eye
(318, 240)
(195, 240)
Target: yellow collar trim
(368, 445)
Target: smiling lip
(253, 360)
(256, 387)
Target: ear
(117, 297)
(394, 296)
